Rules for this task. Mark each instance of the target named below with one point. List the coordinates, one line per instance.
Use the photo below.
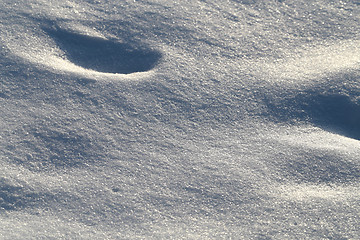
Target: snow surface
(155, 119)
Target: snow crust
(226, 119)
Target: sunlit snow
(227, 119)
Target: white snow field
(159, 119)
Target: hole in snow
(337, 113)
(333, 112)
(104, 55)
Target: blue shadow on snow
(104, 55)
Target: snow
(179, 119)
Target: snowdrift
(179, 119)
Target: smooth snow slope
(226, 119)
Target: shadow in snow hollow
(104, 55)
(334, 112)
